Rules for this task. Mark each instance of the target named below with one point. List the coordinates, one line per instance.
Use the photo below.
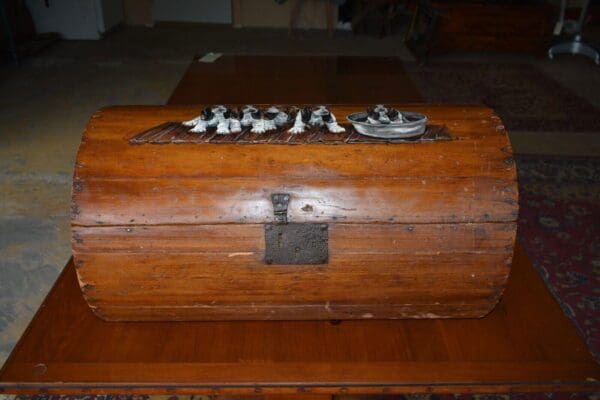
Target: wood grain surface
(525, 344)
(171, 262)
(182, 235)
(292, 80)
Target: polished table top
(294, 80)
(525, 344)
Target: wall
(76, 19)
(138, 12)
(269, 14)
(112, 13)
(216, 11)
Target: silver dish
(414, 126)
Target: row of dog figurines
(232, 120)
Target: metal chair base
(576, 46)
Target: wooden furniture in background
(478, 25)
(298, 14)
(138, 12)
(330, 14)
(381, 13)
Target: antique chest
(169, 224)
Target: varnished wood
(525, 344)
(426, 239)
(214, 201)
(106, 151)
(456, 193)
(410, 260)
(292, 80)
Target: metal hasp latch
(280, 206)
(294, 243)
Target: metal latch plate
(296, 243)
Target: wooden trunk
(173, 226)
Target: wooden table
(296, 80)
(525, 344)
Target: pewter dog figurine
(228, 121)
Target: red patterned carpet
(559, 226)
(522, 96)
(559, 223)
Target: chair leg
(294, 15)
(329, 12)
